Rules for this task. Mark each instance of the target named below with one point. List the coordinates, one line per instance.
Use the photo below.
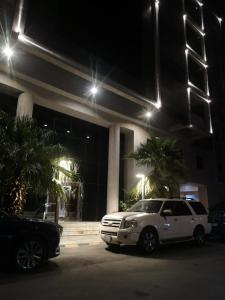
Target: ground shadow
(9, 274)
(181, 251)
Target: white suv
(156, 221)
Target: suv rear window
(179, 208)
(198, 208)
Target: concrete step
(80, 233)
(80, 227)
(74, 241)
(78, 223)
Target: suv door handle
(175, 219)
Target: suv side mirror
(167, 213)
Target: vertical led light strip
(206, 72)
(157, 56)
(187, 67)
(189, 51)
(18, 19)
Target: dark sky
(110, 29)
(119, 32)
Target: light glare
(220, 20)
(94, 90)
(148, 114)
(140, 175)
(8, 52)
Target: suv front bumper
(122, 236)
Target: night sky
(111, 30)
(114, 36)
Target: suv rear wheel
(148, 241)
(199, 236)
(29, 254)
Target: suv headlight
(131, 223)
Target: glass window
(179, 208)
(146, 206)
(198, 208)
(197, 73)
(193, 10)
(169, 205)
(199, 112)
(195, 40)
(199, 162)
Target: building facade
(161, 86)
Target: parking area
(93, 272)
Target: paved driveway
(92, 272)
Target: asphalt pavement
(94, 272)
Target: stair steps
(80, 233)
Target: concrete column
(129, 164)
(113, 169)
(134, 137)
(24, 105)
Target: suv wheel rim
(29, 255)
(149, 242)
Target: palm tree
(28, 162)
(166, 166)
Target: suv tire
(148, 241)
(29, 254)
(199, 236)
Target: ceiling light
(148, 114)
(7, 51)
(94, 90)
(140, 175)
(158, 105)
(220, 20)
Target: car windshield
(146, 206)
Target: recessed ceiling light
(94, 90)
(8, 52)
(148, 114)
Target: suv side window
(168, 205)
(198, 208)
(179, 208)
(182, 209)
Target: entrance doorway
(87, 144)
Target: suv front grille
(111, 222)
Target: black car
(217, 219)
(28, 242)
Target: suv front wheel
(148, 241)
